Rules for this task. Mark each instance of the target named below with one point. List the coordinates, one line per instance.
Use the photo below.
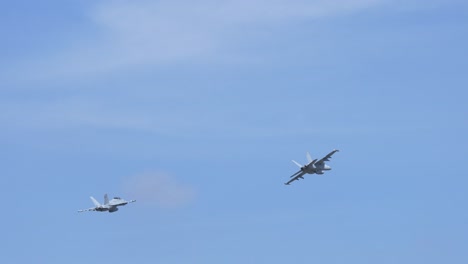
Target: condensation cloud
(159, 189)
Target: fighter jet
(110, 206)
(313, 166)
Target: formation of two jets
(312, 167)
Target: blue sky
(196, 109)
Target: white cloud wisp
(159, 189)
(139, 32)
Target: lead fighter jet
(110, 206)
(313, 166)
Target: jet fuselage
(312, 169)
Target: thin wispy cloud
(138, 33)
(159, 189)
(196, 122)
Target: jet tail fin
(95, 202)
(297, 163)
(106, 199)
(309, 158)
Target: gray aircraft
(110, 206)
(313, 166)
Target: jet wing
(326, 158)
(295, 176)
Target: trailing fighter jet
(313, 166)
(110, 206)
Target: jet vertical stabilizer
(106, 199)
(297, 163)
(95, 202)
